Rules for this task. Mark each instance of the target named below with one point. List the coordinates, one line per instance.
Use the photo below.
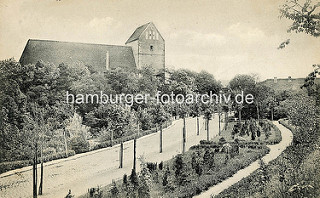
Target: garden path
(275, 151)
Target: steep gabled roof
(136, 34)
(58, 52)
(283, 84)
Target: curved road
(275, 151)
(100, 167)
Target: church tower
(148, 47)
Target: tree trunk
(239, 116)
(41, 172)
(198, 128)
(207, 124)
(134, 153)
(226, 119)
(271, 114)
(258, 113)
(184, 135)
(35, 174)
(121, 154)
(111, 138)
(219, 123)
(161, 138)
(65, 143)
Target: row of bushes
(230, 168)
(286, 124)
(276, 139)
(214, 145)
(223, 166)
(185, 175)
(295, 173)
(7, 166)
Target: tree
(225, 109)
(183, 111)
(134, 178)
(196, 112)
(34, 172)
(122, 81)
(261, 94)
(242, 84)
(208, 114)
(165, 177)
(219, 109)
(178, 166)
(160, 117)
(264, 176)
(182, 81)
(143, 189)
(196, 164)
(25, 86)
(305, 16)
(125, 179)
(205, 82)
(114, 189)
(253, 129)
(312, 87)
(206, 159)
(134, 153)
(161, 165)
(148, 82)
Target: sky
(225, 38)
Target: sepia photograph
(159, 99)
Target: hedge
(7, 166)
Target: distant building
(148, 47)
(145, 47)
(282, 84)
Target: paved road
(91, 169)
(275, 151)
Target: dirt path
(91, 169)
(275, 151)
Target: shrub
(114, 189)
(161, 165)
(79, 144)
(133, 178)
(152, 166)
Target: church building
(144, 48)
